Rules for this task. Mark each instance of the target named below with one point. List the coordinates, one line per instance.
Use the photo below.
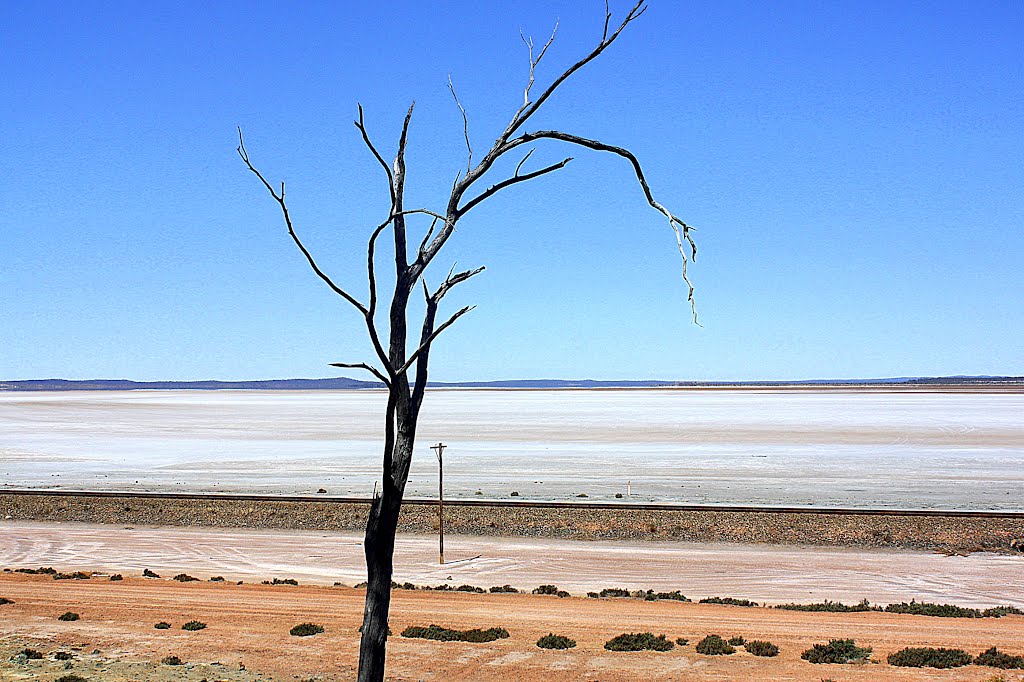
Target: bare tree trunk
(404, 400)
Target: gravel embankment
(951, 534)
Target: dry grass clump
(760, 648)
(194, 625)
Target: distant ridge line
(344, 383)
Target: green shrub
(553, 641)
(436, 632)
(713, 645)
(194, 625)
(63, 656)
(923, 608)
(71, 677)
(37, 571)
(146, 573)
(831, 607)
(929, 657)
(217, 579)
(185, 578)
(172, 660)
(306, 630)
(675, 595)
(286, 581)
(469, 588)
(730, 601)
(504, 589)
(737, 641)
(545, 589)
(163, 625)
(116, 577)
(761, 648)
(836, 651)
(68, 616)
(994, 658)
(76, 575)
(614, 592)
(682, 641)
(31, 654)
(638, 641)
(5, 600)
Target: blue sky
(854, 169)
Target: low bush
(285, 581)
(682, 641)
(737, 641)
(71, 677)
(63, 656)
(116, 577)
(929, 657)
(553, 641)
(436, 632)
(994, 658)
(185, 578)
(836, 651)
(504, 589)
(402, 586)
(923, 608)
(618, 496)
(172, 660)
(730, 601)
(68, 616)
(550, 589)
(194, 625)
(31, 654)
(761, 648)
(638, 641)
(514, 493)
(5, 600)
(146, 573)
(163, 625)
(76, 575)
(217, 579)
(675, 595)
(713, 645)
(306, 630)
(469, 588)
(46, 570)
(831, 607)
(614, 592)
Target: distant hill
(343, 383)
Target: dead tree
(394, 362)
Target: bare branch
(429, 233)
(362, 365)
(528, 154)
(465, 125)
(526, 112)
(376, 154)
(680, 228)
(430, 339)
(607, 18)
(533, 66)
(279, 198)
(494, 189)
(452, 280)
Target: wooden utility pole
(439, 451)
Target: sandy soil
(764, 573)
(248, 626)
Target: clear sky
(855, 171)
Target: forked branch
(362, 365)
(279, 198)
(425, 345)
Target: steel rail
(535, 504)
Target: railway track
(541, 504)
